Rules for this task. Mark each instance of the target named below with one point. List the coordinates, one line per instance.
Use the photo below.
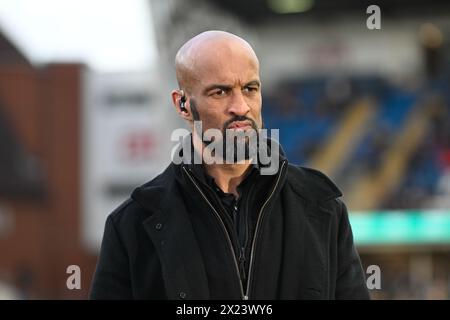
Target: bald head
(207, 50)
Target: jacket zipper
(242, 262)
(258, 222)
(241, 243)
(230, 244)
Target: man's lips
(240, 125)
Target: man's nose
(238, 105)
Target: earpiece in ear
(182, 104)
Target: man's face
(226, 91)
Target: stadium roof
(254, 11)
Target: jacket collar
(311, 184)
(156, 193)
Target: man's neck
(228, 176)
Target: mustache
(239, 118)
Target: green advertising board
(401, 227)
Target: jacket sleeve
(112, 277)
(350, 282)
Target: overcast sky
(109, 35)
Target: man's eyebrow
(252, 83)
(217, 86)
(228, 87)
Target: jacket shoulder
(141, 203)
(312, 183)
(127, 216)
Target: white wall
(344, 47)
(125, 143)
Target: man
(219, 230)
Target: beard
(236, 145)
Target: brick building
(40, 111)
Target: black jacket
(168, 242)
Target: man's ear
(182, 108)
